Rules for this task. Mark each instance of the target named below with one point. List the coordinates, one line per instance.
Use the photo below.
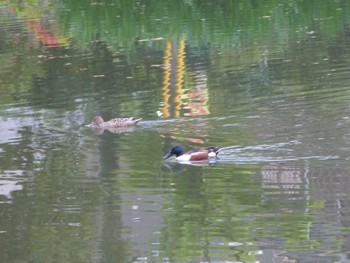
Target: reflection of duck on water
(117, 130)
(202, 154)
(179, 167)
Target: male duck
(98, 122)
(193, 155)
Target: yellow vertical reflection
(166, 79)
(173, 80)
(177, 99)
(180, 76)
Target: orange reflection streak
(43, 35)
(197, 98)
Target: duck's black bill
(167, 155)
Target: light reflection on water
(279, 189)
(270, 192)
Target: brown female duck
(98, 122)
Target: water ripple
(280, 152)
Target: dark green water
(269, 82)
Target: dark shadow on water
(179, 167)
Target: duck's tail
(213, 149)
(218, 150)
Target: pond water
(268, 83)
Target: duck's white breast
(183, 158)
(211, 155)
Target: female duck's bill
(194, 155)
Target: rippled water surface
(268, 83)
